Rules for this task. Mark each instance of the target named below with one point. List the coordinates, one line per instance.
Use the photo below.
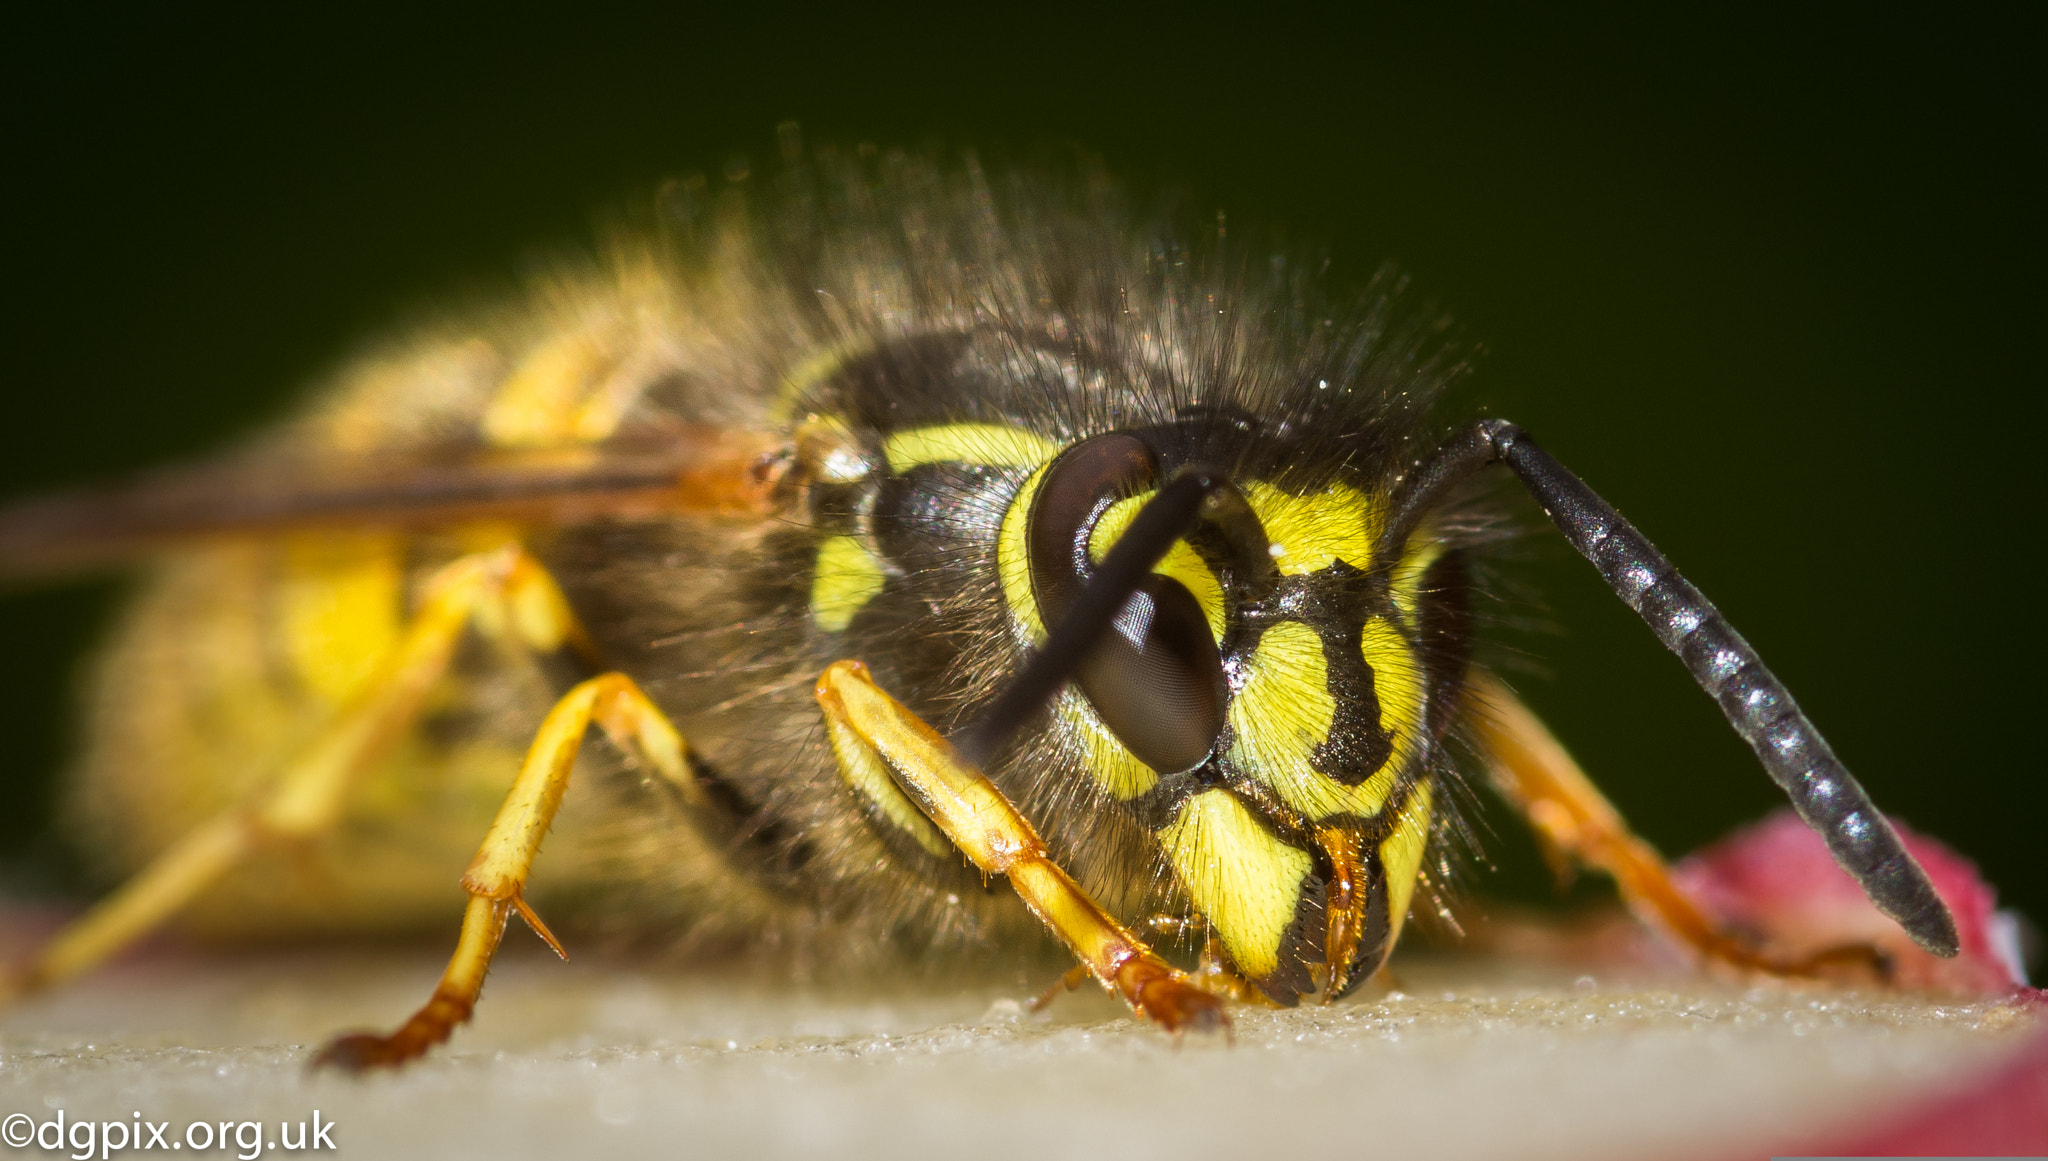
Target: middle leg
(496, 878)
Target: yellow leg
(976, 818)
(1576, 822)
(307, 797)
(497, 876)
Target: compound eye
(1156, 678)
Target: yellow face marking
(1398, 681)
(848, 576)
(864, 770)
(988, 445)
(1013, 561)
(1309, 533)
(342, 600)
(1283, 712)
(1422, 550)
(1181, 562)
(1110, 762)
(1242, 878)
(1401, 856)
(1284, 709)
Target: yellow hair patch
(1401, 856)
(1110, 762)
(1283, 712)
(988, 445)
(848, 576)
(542, 404)
(1309, 533)
(1241, 877)
(1013, 561)
(1423, 549)
(1398, 681)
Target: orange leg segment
(983, 824)
(1531, 769)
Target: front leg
(866, 724)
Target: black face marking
(1334, 602)
(1358, 745)
(1158, 807)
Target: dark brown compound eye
(1155, 678)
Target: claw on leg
(497, 876)
(1068, 981)
(452, 1004)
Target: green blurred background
(1772, 283)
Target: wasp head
(1267, 696)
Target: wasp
(910, 532)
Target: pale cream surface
(1468, 1059)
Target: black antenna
(1797, 758)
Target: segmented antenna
(1762, 711)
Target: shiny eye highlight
(1156, 679)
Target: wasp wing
(699, 470)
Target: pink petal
(1776, 880)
